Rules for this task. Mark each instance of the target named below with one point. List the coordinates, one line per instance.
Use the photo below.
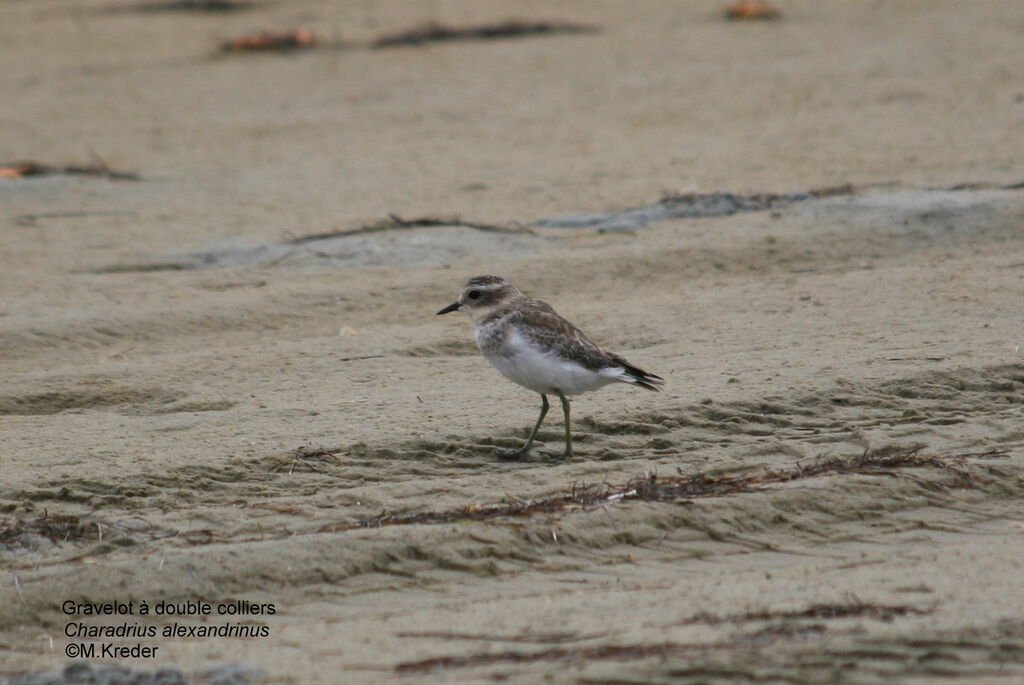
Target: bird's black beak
(453, 307)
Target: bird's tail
(645, 380)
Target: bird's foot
(558, 457)
(517, 455)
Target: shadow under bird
(530, 344)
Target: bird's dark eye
(473, 294)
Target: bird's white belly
(545, 372)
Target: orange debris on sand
(21, 170)
(752, 9)
(273, 40)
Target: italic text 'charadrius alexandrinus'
(530, 344)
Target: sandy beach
(224, 382)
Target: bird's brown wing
(550, 331)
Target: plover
(530, 344)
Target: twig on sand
(99, 168)
(546, 638)
(212, 6)
(433, 32)
(396, 223)
(881, 612)
(756, 202)
(285, 40)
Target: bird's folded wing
(552, 333)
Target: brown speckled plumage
(530, 344)
(539, 322)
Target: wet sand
(194, 406)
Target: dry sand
(194, 409)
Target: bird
(530, 344)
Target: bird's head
(482, 295)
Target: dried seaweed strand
(433, 32)
(653, 488)
(395, 222)
(882, 612)
(25, 168)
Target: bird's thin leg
(540, 419)
(520, 453)
(568, 427)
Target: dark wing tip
(645, 380)
(650, 384)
